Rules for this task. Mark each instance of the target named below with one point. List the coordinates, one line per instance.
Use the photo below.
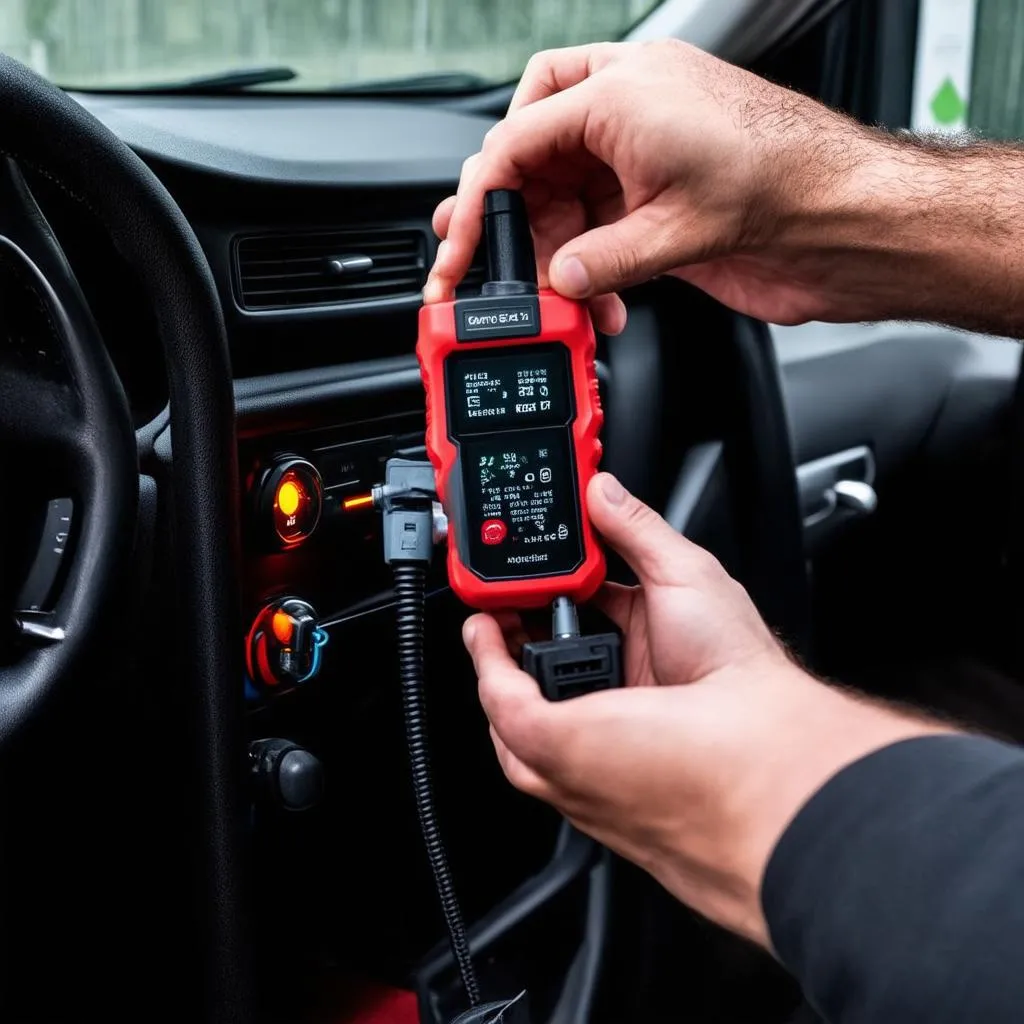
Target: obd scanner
(513, 423)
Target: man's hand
(696, 768)
(639, 159)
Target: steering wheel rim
(61, 403)
(46, 131)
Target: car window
(324, 44)
(970, 67)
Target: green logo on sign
(948, 106)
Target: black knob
(289, 501)
(285, 775)
(511, 263)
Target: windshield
(306, 45)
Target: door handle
(856, 495)
(843, 480)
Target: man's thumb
(651, 548)
(610, 258)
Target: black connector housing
(511, 262)
(574, 666)
(507, 306)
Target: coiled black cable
(410, 588)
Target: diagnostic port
(582, 668)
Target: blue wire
(320, 639)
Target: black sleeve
(896, 895)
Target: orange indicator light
(281, 624)
(361, 502)
(289, 497)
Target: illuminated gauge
(291, 500)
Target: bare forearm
(923, 230)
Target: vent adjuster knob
(338, 266)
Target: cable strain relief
(565, 623)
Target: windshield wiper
(428, 82)
(236, 80)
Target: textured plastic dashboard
(258, 164)
(296, 140)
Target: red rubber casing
(561, 320)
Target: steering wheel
(62, 407)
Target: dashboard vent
(329, 267)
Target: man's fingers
(651, 548)
(609, 313)
(521, 776)
(512, 628)
(442, 215)
(456, 254)
(613, 257)
(616, 601)
(552, 71)
(525, 141)
(511, 699)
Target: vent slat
(331, 240)
(291, 270)
(332, 289)
(315, 262)
(318, 275)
